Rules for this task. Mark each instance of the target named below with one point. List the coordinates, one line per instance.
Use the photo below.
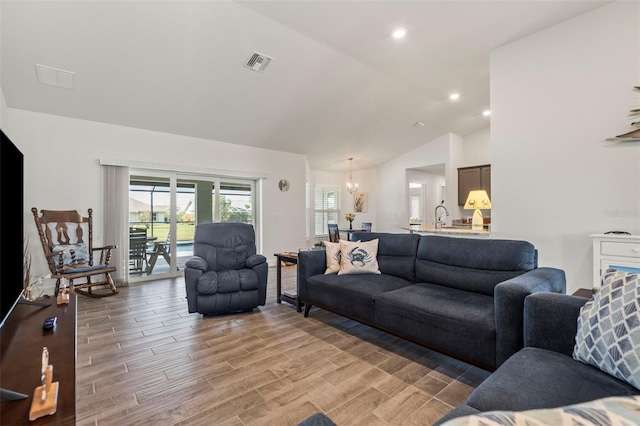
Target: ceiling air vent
(258, 61)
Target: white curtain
(116, 221)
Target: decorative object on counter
(350, 217)
(45, 396)
(351, 185)
(475, 201)
(633, 135)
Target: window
(168, 207)
(327, 208)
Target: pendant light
(351, 186)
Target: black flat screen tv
(11, 226)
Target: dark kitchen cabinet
(472, 178)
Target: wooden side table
(583, 292)
(21, 341)
(288, 296)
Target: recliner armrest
(254, 260)
(551, 321)
(196, 262)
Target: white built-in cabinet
(615, 251)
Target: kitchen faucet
(436, 213)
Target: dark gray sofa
(461, 296)
(544, 374)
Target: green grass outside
(185, 231)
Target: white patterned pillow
(333, 254)
(333, 257)
(359, 257)
(615, 410)
(608, 335)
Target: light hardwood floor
(143, 359)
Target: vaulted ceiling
(338, 86)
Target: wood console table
(290, 296)
(21, 343)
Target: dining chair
(137, 250)
(366, 226)
(334, 233)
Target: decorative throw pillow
(615, 410)
(359, 257)
(333, 257)
(333, 254)
(608, 335)
(78, 256)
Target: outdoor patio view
(197, 201)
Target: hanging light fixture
(351, 186)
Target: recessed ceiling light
(399, 32)
(454, 96)
(486, 113)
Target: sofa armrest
(262, 272)
(254, 260)
(196, 262)
(509, 306)
(191, 276)
(551, 321)
(310, 263)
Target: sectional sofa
(545, 378)
(461, 296)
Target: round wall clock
(284, 185)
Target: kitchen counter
(460, 231)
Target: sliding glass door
(164, 209)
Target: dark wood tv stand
(21, 342)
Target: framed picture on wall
(360, 202)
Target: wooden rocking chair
(67, 240)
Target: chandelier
(351, 185)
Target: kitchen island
(450, 231)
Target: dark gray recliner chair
(225, 274)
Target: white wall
(62, 171)
(476, 148)
(431, 185)
(392, 202)
(555, 97)
(3, 108)
(367, 182)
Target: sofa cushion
(539, 378)
(224, 245)
(229, 281)
(457, 321)
(396, 252)
(471, 264)
(604, 411)
(608, 335)
(351, 295)
(359, 257)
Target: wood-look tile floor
(143, 359)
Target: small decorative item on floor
(350, 217)
(45, 397)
